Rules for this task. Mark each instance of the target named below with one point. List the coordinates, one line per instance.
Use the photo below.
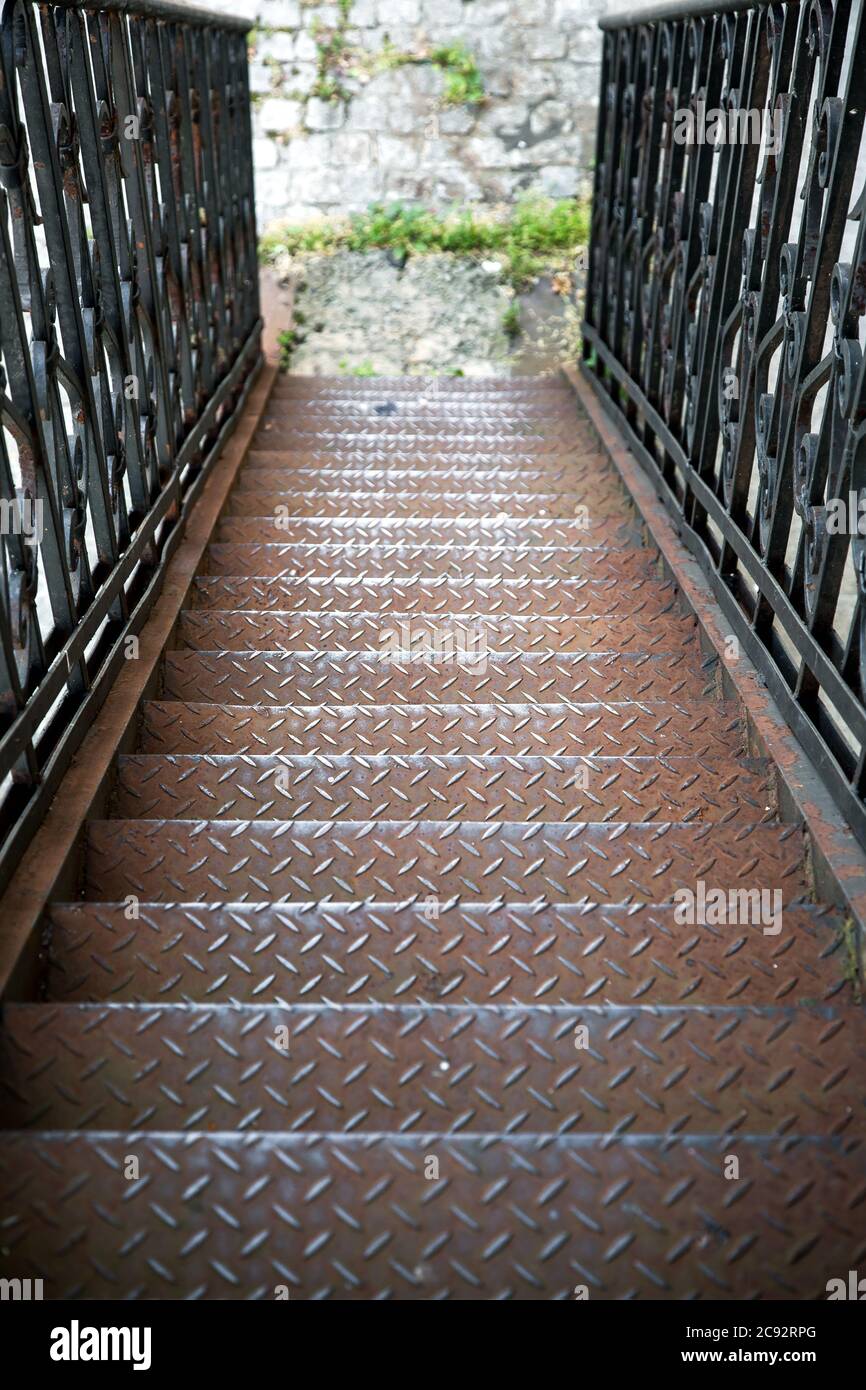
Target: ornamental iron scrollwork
(129, 335)
(724, 328)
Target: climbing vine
(333, 57)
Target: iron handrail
(129, 333)
(721, 329)
(667, 10)
(166, 10)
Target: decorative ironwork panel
(724, 328)
(129, 333)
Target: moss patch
(464, 85)
(851, 968)
(536, 236)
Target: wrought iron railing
(724, 328)
(129, 331)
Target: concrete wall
(386, 135)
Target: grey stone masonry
(349, 109)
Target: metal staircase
(376, 986)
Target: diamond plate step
(396, 1068)
(698, 729)
(414, 393)
(578, 478)
(542, 532)
(383, 559)
(507, 395)
(423, 417)
(404, 450)
(564, 954)
(385, 406)
(290, 428)
(637, 598)
(269, 455)
(455, 637)
(364, 506)
(275, 678)
(441, 788)
(508, 1217)
(630, 574)
(502, 388)
(534, 489)
(214, 861)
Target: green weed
(537, 235)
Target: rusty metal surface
(275, 678)
(628, 576)
(509, 1217)
(397, 451)
(512, 388)
(375, 1069)
(344, 447)
(700, 729)
(350, 912)
(424, 418)
(386, 559)
(425, 414)
(429, 633)
(502, 530)
(213, 861)
(577, 483)
(354, 953)
(348, 506)
(422, 407)
(544, 436)
(637, 598)
(442, 787)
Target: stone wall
(349, 109)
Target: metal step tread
(400, 451)
(464, 638)
(231, 1216)
(213, 861)
(577, 480)
(564, 598)
(376, 494)
(463, 953)
(441, 788)
(515, 385)
(541, 532)
(422, 413)
(482, 559)
(363, 1068)
(260, 677)
(599, 568)
(286, 423)
(698, 729)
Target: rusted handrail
(129, 325)
(726, 290)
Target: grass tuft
(537, 235)
(464, 85)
